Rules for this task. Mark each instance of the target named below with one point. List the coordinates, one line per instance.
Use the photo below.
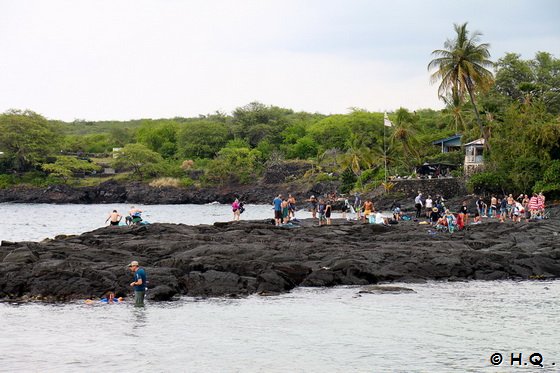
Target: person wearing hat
(139, 283)
(434, 216)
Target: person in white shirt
(418, 204)
(429, 205)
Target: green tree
(536, 79)
(256, 122)
(137, 157)
(332, 132)
(26, 138)
(463, 67)
(201, 139)
(304, 148)
(65, 167)
(358, 158)
(159, 136)
(234, 165)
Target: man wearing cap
(139, 283)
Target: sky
(121, 60)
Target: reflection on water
(442, 327)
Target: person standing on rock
(277, 202)
(236, 208)
(358, 205)
(328, 210)
(429, 206)
(291, 206)
(114, 218)
(285, 211)
(322, 209)
(493, 207)
(464, 211)
(418, 204)
(139, 283)
(368, 209)
(313, 205)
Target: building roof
(476, 142)
(449, 139)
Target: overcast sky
(114, 59)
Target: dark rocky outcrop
(276, 180)
(240, 258)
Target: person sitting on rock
(134, 216)
(434, 216)
(380, 219)
(397, 213)
(477, 218)
(114, 217)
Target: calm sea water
(442, 327)
(39, 221)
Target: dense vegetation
(515, 108)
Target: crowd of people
(505, 208)
(428, 210)
(321, 209)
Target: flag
(386, 121)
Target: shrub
(348, 179)
(486, 183)
(323, 176)
(186, 182)
(453, 157)
(6, 181)
(169, 182)
(187, 164)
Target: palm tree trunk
(478, 120)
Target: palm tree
(404, 133)
(357, 159)
(454, 108)
(463, 66)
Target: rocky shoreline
(247, 257)
(259, 193)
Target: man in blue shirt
(139, 283)
(278, 209)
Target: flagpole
(386, 123)
(384, 151)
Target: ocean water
(441, 327)
(34, 222)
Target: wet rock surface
(241, 258)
